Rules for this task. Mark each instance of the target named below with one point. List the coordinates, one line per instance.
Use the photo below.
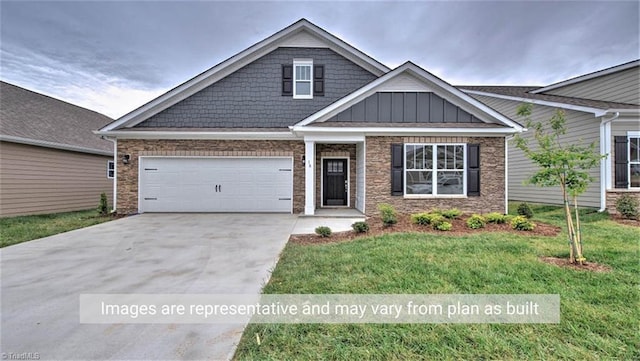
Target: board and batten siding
(620, 87)
(38, 180)
(583, 129)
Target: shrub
(495, 217)
(103, 206)
(323, 231)
(452, 213)
(628, 206)
(521, 223)
(388, 214)
(525, 210)
(436, 220)
(476, 221)
(422, 219)
(360, 227)
(443, 226)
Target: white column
(309, 178)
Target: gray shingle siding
(252, 96)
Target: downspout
(115, 170)
(605, 148)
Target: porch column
(309, 178)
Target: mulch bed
(625, 221)
(404, 225)
(586, 266)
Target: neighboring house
(50, 161)
(601, 107)
(301, 121)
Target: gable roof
(595, 74)
(442, 88)
(32, 118)
(298, 34)
(528, 94)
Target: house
(50, 161)
(301, 121)
(601, 107)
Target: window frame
(111, 167)
(435, 171)
(632, 135)
(302, 63)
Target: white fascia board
(124, 134)
(625, 112)
(53, 145)
(371, 88)
(335, 138)
(386, 131)
(582, 78)
(238, 61)
(596, 111)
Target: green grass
(599, 311)
(14, 230)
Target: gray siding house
(50, 161)
(301, 121)
(601, 107)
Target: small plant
(423, 219)
(360, 227)
(521, 223)
(436, 219)
(452, 213)
(444, 226)
(628, 207)
(388, 213)
(103, 206)
(525, 210)
(495, 217)
(476, 221)
(323, 231)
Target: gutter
(54, 145)
(605, 163)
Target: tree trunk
(570, 229)
(578, 239)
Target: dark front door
(335, 182)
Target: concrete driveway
(149, 253)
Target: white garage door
(181, 184)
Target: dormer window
(302, 79)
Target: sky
(113, 57)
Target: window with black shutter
(287, 80)
(473, 170)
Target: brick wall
(252, 96)
(378, 177)
(614, 194)
(336, 150)
(128, 173)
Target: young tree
(564, 165)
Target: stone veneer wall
(614, 194)
(492, 182)
(128, 173)
(336, 150)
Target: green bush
(436, 219)
(628, 206)
(443, 226)
(476, 221)
(495, 217)
(521, 223)
(388, 214)
(423, 219)
(360, 227)
(525, 210)
(323, 231)
(103, 206)
(451, 213)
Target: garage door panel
(182, 184)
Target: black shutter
(397, 169)
(621, 161)
(287, 80)
(318, 80)
(473, 170)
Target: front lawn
(14, 230)
(599, 310)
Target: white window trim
(109, 162)
(303, 62)
(435, 171)
(631, 134)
